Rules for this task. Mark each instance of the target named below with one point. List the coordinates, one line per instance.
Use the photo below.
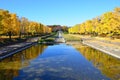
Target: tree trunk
(10, 34)
(20, 35)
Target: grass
(49, 39)
(70, 37)
(107, 39)
(6, 37)
(5, 41)
(100, 40)
(46, 40)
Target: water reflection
(107, 64)
(57, 62)
(9, 67)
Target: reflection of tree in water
(108, 65)
(10, 66)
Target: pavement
(106, 45)
(12, 49)
(111, 48)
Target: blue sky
(63, 12)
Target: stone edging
(102, 50)
(7, 54)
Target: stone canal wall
(111, 47)
(12, 49)
(108, 48)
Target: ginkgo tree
(11, 24)
(6, 23)
(108, 24)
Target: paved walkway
(111, 48)
(12, 49)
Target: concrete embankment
(108, 48)
(12, 49)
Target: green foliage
(46, 40)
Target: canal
(60, 62)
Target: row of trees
(11, 24)
(107, 24)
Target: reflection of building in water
(108, 65)
(9, 67)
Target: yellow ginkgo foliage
(107, 24)
(11, 24)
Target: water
(60, 62)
